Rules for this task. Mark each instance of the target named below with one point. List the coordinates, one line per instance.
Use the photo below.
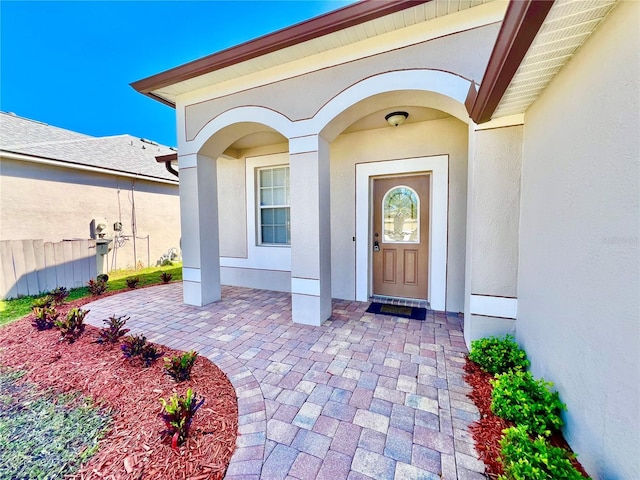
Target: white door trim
(438, 166)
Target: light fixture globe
(396, 118)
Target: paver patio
(363, 396)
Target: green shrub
(150, 354)
(526, 459)
(165, 277)
(177, 415)
(72, 326)
(498, 355)
(44, 317)
(113, 331)
(97, 287)
(528, 402)
(42, 302)
(132, 282)
(133, 346)
(179, 367)
(59, 295)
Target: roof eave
(328, 23)
(521, 24)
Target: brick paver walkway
(363, 396)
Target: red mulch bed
(133, 447)
(487, 431)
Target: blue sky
(69, 64)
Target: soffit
(405, 18)
(567, 26)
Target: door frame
(438, 167)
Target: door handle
(376, 246)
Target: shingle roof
(121, 153)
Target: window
(273, 197)
(401, 216)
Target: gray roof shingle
(121, 153)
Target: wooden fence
(29, 267)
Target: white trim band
(305, 286)
(191, 274)
(493, 306)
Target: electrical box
(117, 227)
(103, 246)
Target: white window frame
(260, 207)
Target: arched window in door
(401, 215)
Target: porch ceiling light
(396, 118)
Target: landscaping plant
(165, 277)
(527, 402)
(44, 317)
(150, 354)
(97, 287)
(179, 367)
(113, 331)
(42, 302)
(59, 295)
(498, 355)
(73, 325)
(132, 282)
(177, 415)
(527, 459)
(133, 346)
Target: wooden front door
(400, 236)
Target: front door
(400, 236)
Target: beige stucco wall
(495, 206)
(578, 312)
(464, 54)
(51, 203)
(232, 207)
(446, 136)
(437, 137)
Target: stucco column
(199, 220)
(493, 213)
(310, 230)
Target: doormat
(414, 313)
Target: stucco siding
(496, 210)
(52, 204)
(578, 312)
(232, 207)
(438, 137)
(464, 54)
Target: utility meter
(117, 227)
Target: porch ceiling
(565, 29)
(315, 36)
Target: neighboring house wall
(55, 203)
(578, 312)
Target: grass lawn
(43, 435)
(14, 309)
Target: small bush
(165, 277)
(150, 354)
(97, 287)
(498, 355)
(133, 346)
(132, 282)
(527, 402)
(177, 415)
(59, 295)
(42, 302)
(179, 367)
(526, 459)
(103, 277)
(73, 325)
(44, 317)
(166, 263)
(113, 331)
